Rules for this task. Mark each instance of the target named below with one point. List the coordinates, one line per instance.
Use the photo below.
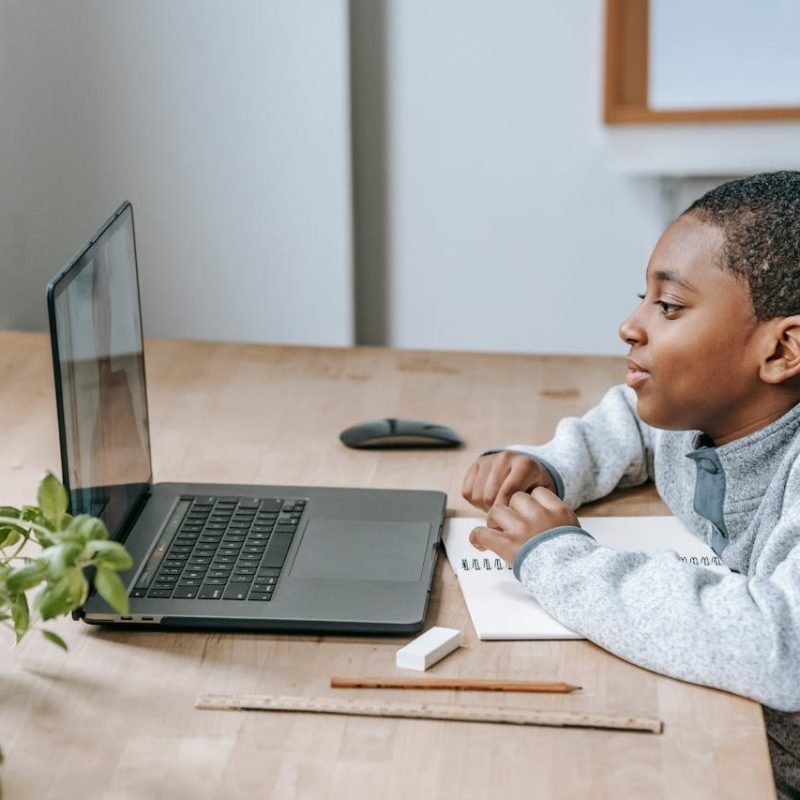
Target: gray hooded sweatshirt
(738, 631)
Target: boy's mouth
(636, 375)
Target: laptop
(273, 558)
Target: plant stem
(21, 523)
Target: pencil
(465, 684)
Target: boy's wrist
(531, 544)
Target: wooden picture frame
(626, 76)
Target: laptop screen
(96, 332)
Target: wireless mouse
(399, 433)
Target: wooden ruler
(379, 708)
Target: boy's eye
(667, 308)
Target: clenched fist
(495, 478)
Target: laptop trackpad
(336, 549)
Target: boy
(711, 413)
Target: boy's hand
(508, 527)
(494, 478)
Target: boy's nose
(630, 331)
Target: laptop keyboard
(221, 548)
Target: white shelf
(703, 150)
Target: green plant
(67, 546)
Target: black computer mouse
(399, 433)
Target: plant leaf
(111, 589)
(52, 499)
(22, 578)
(20, 616)
(34, 515)
(55, 639)
(63, 595)
(84, 528)
(9, 536)
(110, 554)
(62, 557)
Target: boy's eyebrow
(669, 276)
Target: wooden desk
(114, 718)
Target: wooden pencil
(464, 684)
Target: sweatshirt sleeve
(740, 633)
(608, 448)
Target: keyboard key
(260, 596)
(220, 580)
(185, 593)
(237, 590)
(159, 593)
(138, 592)
(276, 551)
(285, 528)
(269, 571)
(210, 592)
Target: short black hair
(759, 218)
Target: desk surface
(114, 718)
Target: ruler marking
(377, 708)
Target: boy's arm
(592, 455)
(734, 632)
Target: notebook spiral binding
(702, 561)
(477, 564)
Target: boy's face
(693, 361)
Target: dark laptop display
(99, 364)
(215, 555)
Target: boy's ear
(782, 360)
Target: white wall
(227, 126)
(509, 229)
(518, 221)
(495, 211)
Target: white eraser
(427, 649)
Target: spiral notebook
(501, 609)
